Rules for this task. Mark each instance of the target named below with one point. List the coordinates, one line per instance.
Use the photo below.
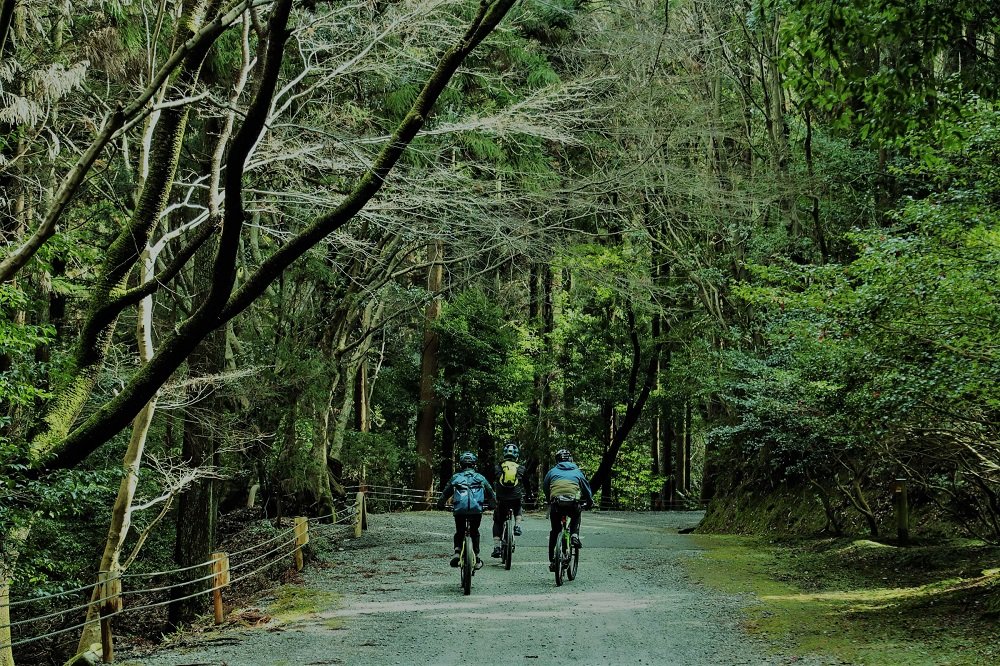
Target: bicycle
(507, 544)
(467, 560)
(567, 554)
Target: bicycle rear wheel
(507, 548)
(468, 562)
(561, 555)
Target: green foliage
(378, 458)
(484, 375)
(892, 357)
(874, 65)
(61, 516)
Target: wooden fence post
(901, 507)
(361, 516)
(109, 587)
(220, 569)
(301, 539)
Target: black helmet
(563, 455)
(511, 452)
(468, 459)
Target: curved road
(400, 603)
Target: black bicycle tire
(559, 563)
(468, 562)
(508, 547)
(574, 563)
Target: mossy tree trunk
(427, 416)
(121, 512)
(107, 292)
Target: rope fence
(109, 593)
(395, 498)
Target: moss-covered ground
(862, 601)
(293, 603)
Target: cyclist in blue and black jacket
(567, 491)
(468, 491)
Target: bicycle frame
(567, 555)
(507, 544)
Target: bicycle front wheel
(574, 563)
(468, 562)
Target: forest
(728, 252)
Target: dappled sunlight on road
(547, 603)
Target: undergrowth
(863, 601)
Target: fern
(542, 77)
(483, 147)
(399, 101)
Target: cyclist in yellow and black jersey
(510, 492)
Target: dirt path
(400, 603)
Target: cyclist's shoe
(517, 530)
(454, 561)
(575, 540)
(552, 565)
(496, 551)
(479, 563)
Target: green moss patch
(295, 602)
(863, 601)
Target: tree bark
(427, 418)
(448, 441)
(197, 507)
(8, 562)
(633, 410)
(6, 18)
(121, 512)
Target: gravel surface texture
(400, 603)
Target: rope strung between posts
(279, 552)
(142, 607)
(233, 567)
(35, 600)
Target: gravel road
(400, 603)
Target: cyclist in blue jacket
(468, 491)
(567, 491)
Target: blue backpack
(468, 493)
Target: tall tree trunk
(532, 446)
(362, 419)
(660, 325)
(448, 441)
(427, 417)
(669, 488)
(638, 395)
(9, 554)
(607, 441)
(121, 512)
(198, 505)
(682, 483)
(820, 235)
